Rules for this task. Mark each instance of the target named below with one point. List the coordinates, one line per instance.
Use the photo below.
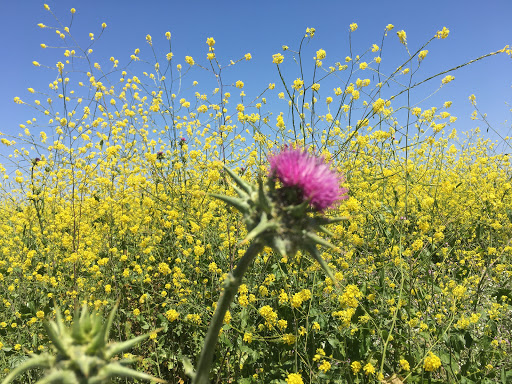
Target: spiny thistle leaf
(298, 210)
(101, 338)
(110, 321)
(188, 368)
(242, 206)
(319, 220)
(263, 225)
(240, 192)
(263, 198)
(59, 377)
(82, 353)
(279, 245)
(59, 321)
(42, 361)
(314, 252)
(118, 370)
(86, 363)
(318, 240)
(241, 183)
(54, 334)
(321, 228)
(117, 348)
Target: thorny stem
(231, 285)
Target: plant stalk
(231, 285)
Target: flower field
(110, 199)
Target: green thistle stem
(231, 285)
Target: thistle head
(286, 211)
(306, 178)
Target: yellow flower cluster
(116, 203)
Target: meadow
(106, 198)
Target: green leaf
(101, 338)
(262, 197)
(188, 368)
(117, 370)
(318, 240)
(279, 245)
(85, 363)
(316, 255)
(241, 183)
(117, 348)
(240, 192)
(59, 377)
(56, 337)
(44, 361)
(328, 220)
(263, 226)
(242, 206)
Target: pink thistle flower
(310, 175)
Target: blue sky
(261, 28)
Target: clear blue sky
(261, 28)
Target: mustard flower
(294, 378)
(172, 315)
(447, 79)
(325, 366)
(277, 58)
(378, 105)
(431, 362)
(248, 337)
(369, 369)
(297, 84)
(443, 34)
(404, 364)
(356, 367)
(320, 54)
(402, 36)
(289, 338)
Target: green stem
(231, 285)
